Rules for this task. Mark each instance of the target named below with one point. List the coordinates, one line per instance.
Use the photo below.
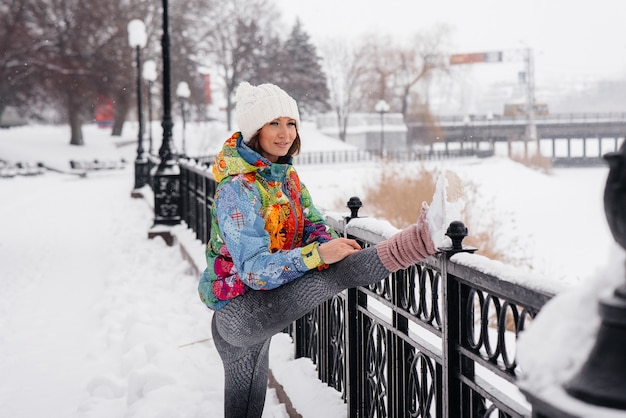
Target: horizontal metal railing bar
(401, 311)
(518, 293)
(491, 366)
(504, 402)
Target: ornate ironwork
(337, 344)
(376, 368)
(492, 327)
(421, 385)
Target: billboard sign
(477, 57)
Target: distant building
(366, 132)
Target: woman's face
(276, 137)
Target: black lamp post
(382, 107)
(166, 175)
(602, 379)
(150, 75)
(137, 39)
(183, 93)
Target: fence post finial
(354, 204)
(457, 231)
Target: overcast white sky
(570, 39)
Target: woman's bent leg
(245, 376)
(257, 315)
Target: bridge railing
(436, 339)
(562, 117)
(359, 156)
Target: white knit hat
(257, 105)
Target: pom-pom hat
(258, 105)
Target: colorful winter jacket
(264, 228)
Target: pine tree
(301, 73)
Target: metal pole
(183, 108)
(382, 134)
(140, 149)
(165, 152)
(530, 86)
(166, 176)
(141, 164)
(150, 116)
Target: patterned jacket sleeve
(315, 228)
(242, 227)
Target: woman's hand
(337, 249)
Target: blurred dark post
(382, 107)
(602, 379)
(183, 93)
(150, 75)
(166, 175)
(137, 39)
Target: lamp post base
(142, 176)
(602, 379)
(167, 196)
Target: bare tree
(16, 44)
(395, 71)
(379, 68)
(234, 40)
(83, 52)
(418, 62)
(346, 70)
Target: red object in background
(104, 111)
(494, 56)
(207, 88)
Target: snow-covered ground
(98, 321)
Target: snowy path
(93, 314)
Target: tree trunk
(74, 118)
(120, 110)
(76, 128)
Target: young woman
(271, 258)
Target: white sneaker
(447, 206)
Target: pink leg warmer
(408, 246)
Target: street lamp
(137, 39)
(150, 75)
(382, 107)
(183, 93)
(166, 175)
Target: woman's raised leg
(257, 315)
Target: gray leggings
(243, 328)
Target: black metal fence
(437, 339)
(197, 193)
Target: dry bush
(398, 196)
(536, 161)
